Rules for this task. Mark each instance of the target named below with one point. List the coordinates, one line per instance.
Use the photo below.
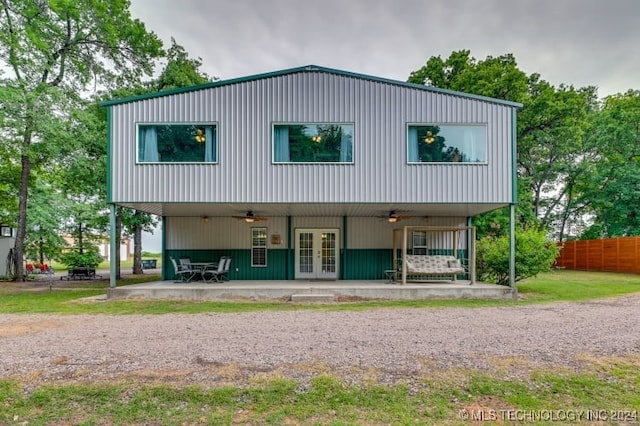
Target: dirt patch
(22, 327)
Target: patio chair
(225, 272)
(184, 274)
(185, 262)
(214, 273)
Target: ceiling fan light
(393, 217)
(429, 138)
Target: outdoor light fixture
(200, 137)
(430, 137)
(393, 217)
(205, 219)
(250, 217)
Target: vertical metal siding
(245, 112)
(367, 232)
(220, 233)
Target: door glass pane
(306, 252)
(328, 252)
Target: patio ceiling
(311, 209)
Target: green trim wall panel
(367, 264)
(370, 264)
(241, 268)
(363, 264)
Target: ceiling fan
(394, 217)
(250, 217)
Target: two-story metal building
(305, 173)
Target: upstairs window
(313, 143)
(433, 143)
(177, 143)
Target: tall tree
(611, 187)
(551, 147)
(550, 132)
(53, 51)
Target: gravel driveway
(386, 345)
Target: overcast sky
(577, 42)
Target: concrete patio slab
(284, 290)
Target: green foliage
(611, 184)
(89, 257)
(51, 52)
(534, 254)
(497, 77)
(551, 128)
(332, 399)
(180, 70)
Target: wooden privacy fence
(606, 255)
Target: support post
(113, 246)
(343, 260)
(291, 261)
(512, 246)
(472, 256)
(404, 256)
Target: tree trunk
(22, 215)
(80, 238)
(41, 252)
(117, 242)
(137, 249)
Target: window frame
(484, 125)
(420, 247)
(6, 231)
(214, 124)
(309, 124)
(254, 247)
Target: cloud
(579, 42)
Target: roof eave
(306, 68)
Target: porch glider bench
(433, 266)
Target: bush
(89, 258)
(534, 254)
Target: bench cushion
(433, 264)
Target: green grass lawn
(597, 396)
(553, 286)
(604, 391)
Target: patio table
(199, 267)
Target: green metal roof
(306, 68)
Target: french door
(317, 253)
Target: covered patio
(310, 291)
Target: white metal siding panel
(367, 232)
(317, 222)
(246, 111)
(219, 233)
